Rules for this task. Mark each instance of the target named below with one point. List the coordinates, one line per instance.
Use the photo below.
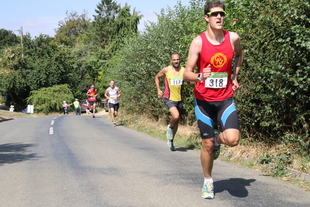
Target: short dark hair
(175, 53)
(210, 5)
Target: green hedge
(273, 100)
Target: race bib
(176, 81)
(112, 99)
(217, 80)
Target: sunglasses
(216, 13)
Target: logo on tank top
(218, 60)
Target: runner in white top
(113, 93)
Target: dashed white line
(51, 130)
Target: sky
(42, 16)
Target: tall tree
(71, 28)
(125, 26)
(107, 12)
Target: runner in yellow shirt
(173, 94)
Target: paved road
(80, 161)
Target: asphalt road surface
(80, 161)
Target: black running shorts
(222, 112)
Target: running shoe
(93, 115)
(217, 149)
(170, 145)
(207, 190)
(114, 124)
(169, 133)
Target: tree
(70, 29)
(107, 11)
(44, 64)
(50, 99)
(136, 63)
(124, 26)
(8, 39)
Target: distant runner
(92, 98)
(113, 93)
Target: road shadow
(235, 186)
(119, 124)
(5, 119)
(15, 152)
(181, 149)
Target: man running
(213, 52)
(113, 93)
(173, 95)
(92, 97)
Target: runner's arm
(106, 94)
(118, 93)
(193, 55)
(238, 59)
(160, 74)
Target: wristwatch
(199, 76)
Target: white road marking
(52, 122)
(51, 130)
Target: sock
(208, 180)
(215, 141)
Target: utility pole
(21, 40)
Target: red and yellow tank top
(92, 96)
(218, 86)
(173, 85)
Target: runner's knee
(207, 145)
(231, 137)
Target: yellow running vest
(173, 85)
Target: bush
(274, 97)
(47, 100)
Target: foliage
(124, 26)
(104, 19)
(8, 39)
(274, 97)
(50, 65)
(44, 64)
(71, 29)
(145, 54)
(273, 101)
(50, 99)
(277, 163)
